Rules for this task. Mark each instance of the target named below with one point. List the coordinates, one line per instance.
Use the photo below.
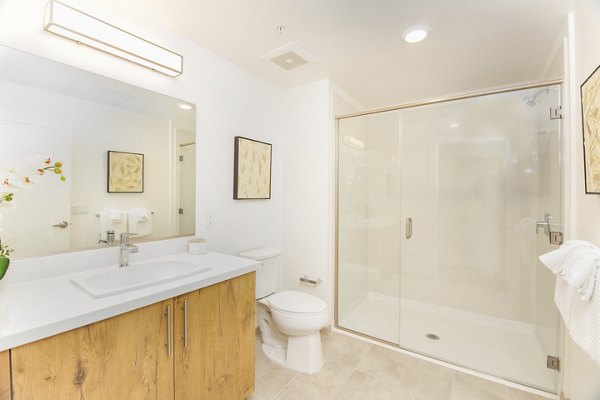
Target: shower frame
(415, 104)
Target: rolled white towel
(577, 262)
(554, 259)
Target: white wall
(230, 102)
(309, 210)
(308, 165)
(581, 376)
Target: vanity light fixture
(63, 20)
(184, 106)
(415, 34)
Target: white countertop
(34, 309)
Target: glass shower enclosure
(437, 238)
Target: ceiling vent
(289, 56)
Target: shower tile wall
(465, 189)
(459, 185)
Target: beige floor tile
(253, 396)
(323, 385)
(469, 387)
(328, 335)
(260, 356)
(361, 386)
(384, 364)
(403, 393)
(345, 349)
(515, 394)
(428, 378)
(271, 379)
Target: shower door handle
(545, 224)
(408, 228)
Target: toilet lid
(296, 302)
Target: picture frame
(125, 172)
(590, 115)
(252, 169)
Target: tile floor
(355, 369)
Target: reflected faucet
(126, 248)
(110, 238)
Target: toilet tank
(267, 275)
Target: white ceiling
(473, 44)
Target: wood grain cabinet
(215, 352)
(196, 346)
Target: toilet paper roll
(197, 246)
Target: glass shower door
(476, 175)
(368, 229)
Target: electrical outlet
(210, 220)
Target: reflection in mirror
(49, 109)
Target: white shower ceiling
(472, 44)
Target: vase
(3, 265)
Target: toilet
(289, 321)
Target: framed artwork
(251, 169)
(590, 113)
(125, 172)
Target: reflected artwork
(125, 172)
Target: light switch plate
(79, 209)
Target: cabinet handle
(168, 314)
(408, 228)
(185, 324)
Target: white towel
(577, 262)
(582, 318)
(112, 220)
(140, 221)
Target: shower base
(501, 348)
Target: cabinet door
(124, 357)
(218, 361)
(4, 375)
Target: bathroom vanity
(191, 338)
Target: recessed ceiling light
(184, 106)
(416, 33)
(454, 125)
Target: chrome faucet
(126, 248)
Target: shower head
(531, 100)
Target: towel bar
(98, 214)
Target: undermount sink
(121, 280)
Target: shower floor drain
(432, 336)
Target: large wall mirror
(48, 109)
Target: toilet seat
(297, 303)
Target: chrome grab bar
(185, 324)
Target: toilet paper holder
(306, 279)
